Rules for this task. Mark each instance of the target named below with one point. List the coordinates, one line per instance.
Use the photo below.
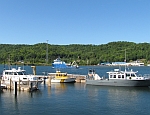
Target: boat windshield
(130, 75)
(20, 73)
(133, 75)
(8, 73)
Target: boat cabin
(16, 74)
(60, 75)
(14, 71)
(117, 74)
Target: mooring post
(31, 86)
(44, 80)
(19, 84)
(28, 82)
(0, 85)
(15, 88)
(34, 70)
(10, 83)
(37, 83)
(49, 81)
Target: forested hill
(82, 54)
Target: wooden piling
(19, 85)
(0, 85)
(49, 81)
(37, 83)
(28, 83)
(15, 88)
(10, 83)
(31, 86)
(34, 70)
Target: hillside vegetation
(82, 54)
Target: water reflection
(76, 97)
(18, 103)
(80, 86)
(57, 88)
(117, 96)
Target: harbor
(24, 82)
(73, 98)
(67, 76)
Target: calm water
(77, 98)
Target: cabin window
(24, 78)
(119, 76)
(34, 78)
(20, 73)
(132, 75)
(8, 73)
(114, 76)
(110, 76)
(127, 75)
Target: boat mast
(125, 60)
(47, 53)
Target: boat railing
(90, 77)
(139, 75)
(145, 75)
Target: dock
(79, 78)
(1, 86)
(19, 86)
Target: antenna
(125, 60)
(47, 53)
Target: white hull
(69, 80)
(130, 83)
(118, 78)
(34, 82)
(9, 77)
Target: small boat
(60, 77)
(61, 64)
(19, 75)
(118, 78)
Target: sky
(64, 22)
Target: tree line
(89, 54)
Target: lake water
(77, 98)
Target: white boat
(19, 75)
(60, 77)
(118, 78)
(61, 64)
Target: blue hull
(59, 66)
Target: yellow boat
(61, 77)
